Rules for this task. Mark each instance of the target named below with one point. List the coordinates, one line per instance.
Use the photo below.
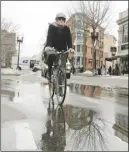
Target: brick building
(83, 58)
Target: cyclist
(58, 37)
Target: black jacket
(59, 37)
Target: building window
(82, 48)
(101, 44)
(79, 25)
(25, 61)
(101, 63)
(82, 60)
(97, 63)
(78, 60)
(78, 48)
(125, 47)
(90, 62)
(97, 53)
(78, 35)
(125, 33)
(101, 54)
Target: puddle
(72, 128)
(97, 91)
(121, 127)
(8, 89)
(8, 93)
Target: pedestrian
(103, 70)
(110, 70)
(122, 69)
(117, 69)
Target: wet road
(92, 117)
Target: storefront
(124, 63)
(121, 60)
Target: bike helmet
(60, 15)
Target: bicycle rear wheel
(61, 86)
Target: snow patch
(9, 71)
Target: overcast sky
(34, 16)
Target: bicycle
(55, 137)
(58, 82)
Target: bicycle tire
(65, 85)
(59, 114)
(51, 84)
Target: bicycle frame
(59, 65)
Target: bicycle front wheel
(51, 86)
(61, 86)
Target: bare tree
(90, 137)
(7, 25)
(94, 15)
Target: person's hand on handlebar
(71, 53)
(71, 50)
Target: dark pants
(51, 60)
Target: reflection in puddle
(10, 94)
(121, 127)
(55, 137)
(72, 128)
(97, 91)
(78, 123)
(87, 129)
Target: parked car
(44, 70)
(36, 68)
(44, 66)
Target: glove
(71, 53)
(71, 50)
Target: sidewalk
(9, 71)
(110, 76)
(108, 81)
(9, 113)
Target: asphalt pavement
(93, 117)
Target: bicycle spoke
(61, 87)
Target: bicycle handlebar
(65, 52)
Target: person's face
(60, 21)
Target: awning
(115, 57)
(111, 58)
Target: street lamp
(19, 40)
(113, 52)
(94, 37)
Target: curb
(11, 74)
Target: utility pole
(19, 41)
